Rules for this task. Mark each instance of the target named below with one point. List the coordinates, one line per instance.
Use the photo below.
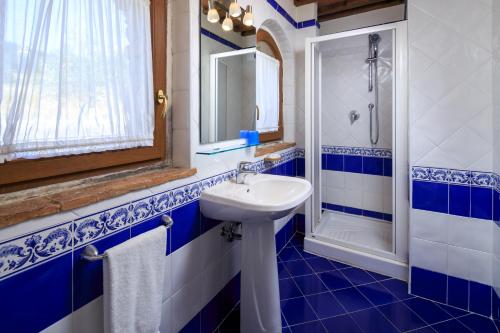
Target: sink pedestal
(260, 300)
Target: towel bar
(90, 253)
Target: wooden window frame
(264, 36)
(25, 173)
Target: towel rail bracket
(90, 253)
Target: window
(267, 45)
(77, 86)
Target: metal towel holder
(90, 253)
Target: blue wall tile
(194, 325)
(482, 203)
(458, 292)
(430, 196)
(480, 298)
(428, 284)
(335, 162)
(496, 207)
(372, 214)
(36, 298)
(388, 167)
(324, 159)
(373, 166)
(352, 210)
(301, 167)
(187, 224)
(207, 224)
(300, 223)
(337, 208)
(353, 164)
(460, 200)
(87, 275)
(280, 239)
(219, 306)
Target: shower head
(374, 38)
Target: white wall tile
(186, 263)
(166, 325)
(186, 302)
(429, 255)
(430, 226)
(470, 233)
(89, 318)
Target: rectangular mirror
(228, 67)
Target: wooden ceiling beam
(353, 7)
(333, 6)
(299, 3)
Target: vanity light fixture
(234, 9)
(227, 24)
(248, 17)
(213, 14)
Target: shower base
(358, 241)
(359, 231)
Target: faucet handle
(244, 165)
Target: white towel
(133, 282)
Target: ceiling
(332, 9)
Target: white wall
(368, 19)
(450, 103)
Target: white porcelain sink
(257, 203)
(262, 196)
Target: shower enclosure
(356, 147)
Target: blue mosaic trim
(289, 18)
(455, 177)
(357, 151)
(219, 39)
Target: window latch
(162, 99)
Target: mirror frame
(264, 36)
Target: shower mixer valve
(353, 116)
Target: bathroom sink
(257, 202)
(261, 196)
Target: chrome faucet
(243, 171)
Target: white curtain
(267, 92)
(75, 77)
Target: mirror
(228, 85)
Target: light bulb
(227, 24)
(248, 17)
(213, 14)
(234, 9)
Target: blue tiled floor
(320, 295)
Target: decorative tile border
(96, 226)
(357, 151)
(289, 18)
(219, 39)
(455, 177)
(32, 249)
(25, 251)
